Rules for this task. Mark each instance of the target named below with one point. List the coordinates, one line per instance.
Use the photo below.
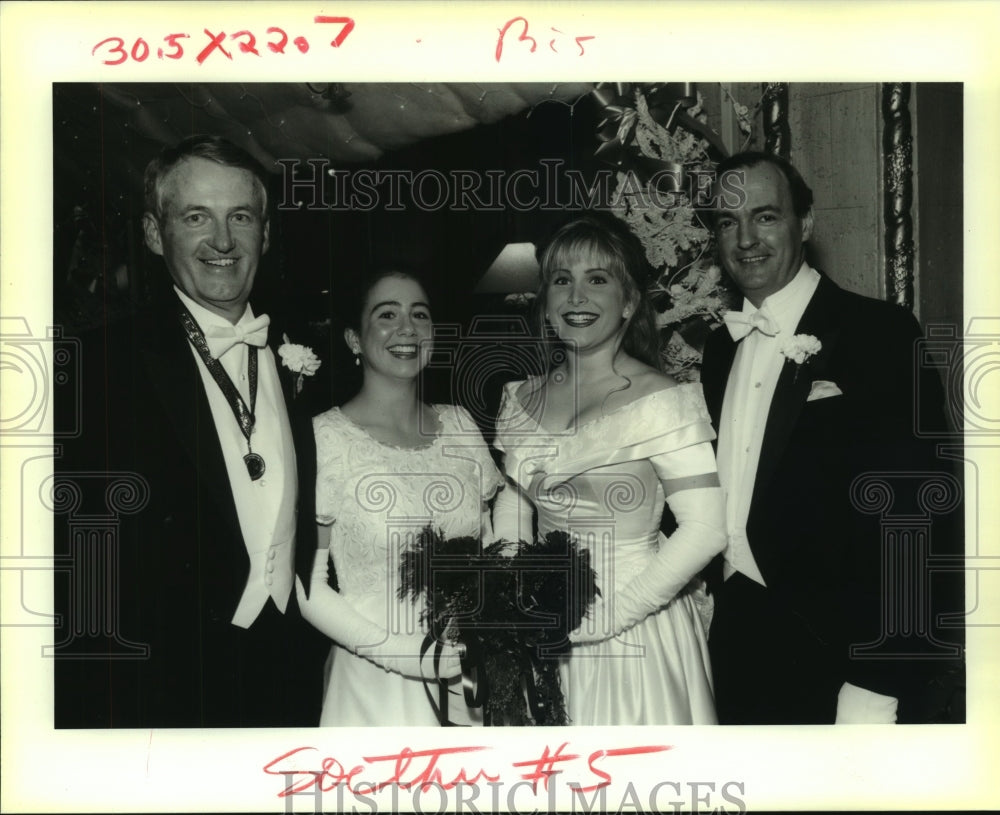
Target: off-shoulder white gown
(599, 482)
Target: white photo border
(913, 768)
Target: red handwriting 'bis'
(519, 26)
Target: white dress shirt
(265, 507)
(747, 402)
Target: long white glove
(334, 615)
(700, 535)
(860, 706)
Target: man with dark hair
(731, 172)
(810, 387)
(188, 403)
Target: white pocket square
(821, 389)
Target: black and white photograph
(639, 426)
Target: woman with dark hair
(594, 447)
(389, 465)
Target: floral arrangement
(299, 359)
(512, 605)
(659, 138)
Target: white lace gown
(598, 484)
(378, 498)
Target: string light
(190, 101)
(303, 149)
(553, 99)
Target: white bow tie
(221, 338)
(741, 323)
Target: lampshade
(513, 270)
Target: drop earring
(357, 358)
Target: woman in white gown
(593, 448)
(388, 465)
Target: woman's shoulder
(643, 380)
(519, 392)
(336, 426)
(328, 418)
(521, 389)
(661, 395)
(450, 414)
(334, 430)
(456, 419)
(647, 380)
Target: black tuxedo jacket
(148, 642)
(780, 654)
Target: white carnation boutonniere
(800, 348)
(299, 360)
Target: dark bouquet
(512, 606)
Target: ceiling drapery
(346, 123)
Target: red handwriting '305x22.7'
(218, 44)
(446, 768)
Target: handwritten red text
(445, 768)
(520, 27)
(218, 45)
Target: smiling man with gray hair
(190, 398)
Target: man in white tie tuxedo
(190, 398)
(809, 387)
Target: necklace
(244, 415)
